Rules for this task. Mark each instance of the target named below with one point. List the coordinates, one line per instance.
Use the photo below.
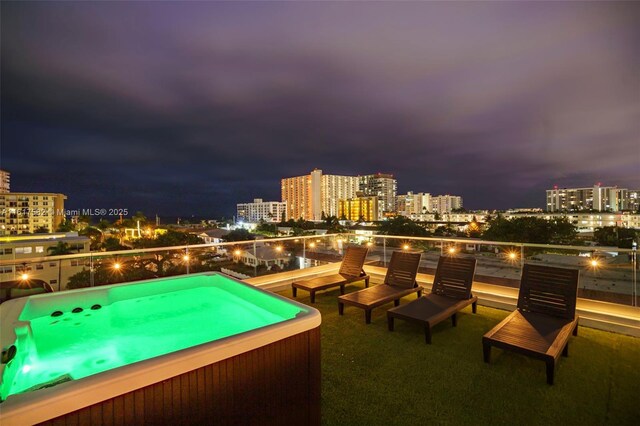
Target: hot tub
(194, 348)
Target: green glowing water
(77, 345)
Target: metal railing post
(304, 253)
(255, 255)
(634, 266)
(521, 256)
(91, 271)
(187, 259)
(384, 251)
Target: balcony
(373, 376)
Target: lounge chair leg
(419, 294)
(340, 308)
(474, 307)
(367, 316)
(565, 351)
(295, 291)
(427, 334)
(550, 370)
(313, 297)
(390, 323)
(486, 350)
(575, 330)
(342, 289)
(454, 320)
(366, 282)
(396, 302)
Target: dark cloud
(188, 108)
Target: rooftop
(373, 376)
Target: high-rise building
(633, 200)
(359, 209)
(383, 186)
(598, 198)
(5, 182)
(314, 195)
(268, 211)
(26, 212)
(411, 204)
(445, 203)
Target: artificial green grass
(371, 376)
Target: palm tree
(59, 249)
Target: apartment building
(598, 198)
(315, 194)
(268, 211)
(23, 249)
(442, 204)
(589, 221)
(359, 209)
(384, 187)
(5, 182)
(411, 204)
(26, 212)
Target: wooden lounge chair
(545, 318)
(451, 292)
(350, 271)
(400, 281)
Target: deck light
(312, 244)
(512, 255)
(594, 263)
(24, 276)
(117, 266)
(452, 250)
(278, 248)
(185, 257)
(369, 244)
(405, 247)
(237, 252)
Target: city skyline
(189, 109)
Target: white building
(22, 249)
(268, 211)
(310, 196)
(598, 198)
(445, 203)
(588, 222)
(411, 204)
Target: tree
(59, 249)
(65, 226)
(615, 236)
(530, 230)
(402, 226)
(239, 234)
(41, 230)
(94, 234)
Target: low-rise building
(267, 211)
(22, 249)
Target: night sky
(189, 108)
